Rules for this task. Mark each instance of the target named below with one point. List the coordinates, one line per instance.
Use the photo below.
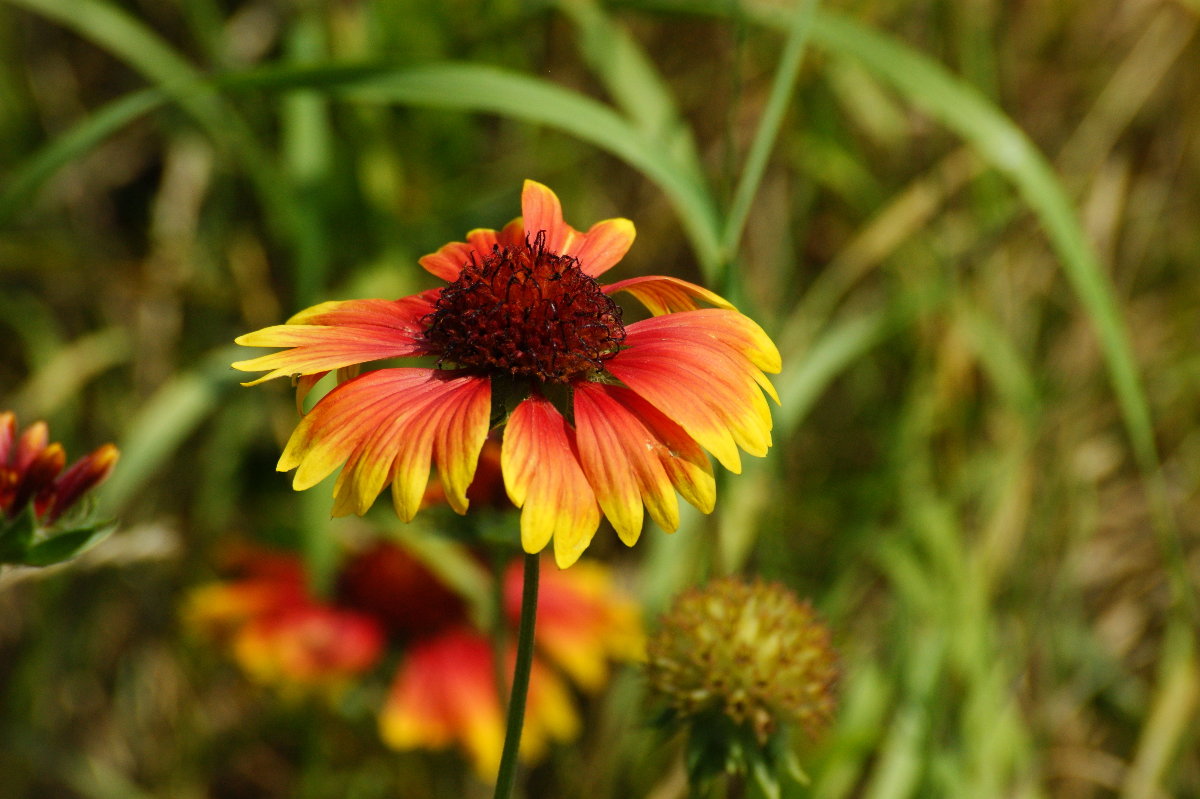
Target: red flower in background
(278, 632)
(444, 690)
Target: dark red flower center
(527, 312)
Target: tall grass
(968, 225)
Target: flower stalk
(507, 776)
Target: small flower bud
(750, 651)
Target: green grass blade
(474, 88)
(165, 421)
(125, 37)
(23, 183)
(782, 89)
(137, 45)
(964, 110)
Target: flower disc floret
(526, 311)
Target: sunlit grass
(971, 236)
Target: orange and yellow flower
(31, 471)
(600, 417)
(444, 692)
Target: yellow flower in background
(602, 416)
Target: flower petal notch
(601, 418)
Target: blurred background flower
(444, 691)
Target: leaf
(16, 535)
(67, 545)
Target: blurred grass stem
(765, 136)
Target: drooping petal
(704, 370)
(663, 295)
(334, 335)
(387, 426)
(682, 458)
(634, 456)
(542, 211)
(604, 244)
(543, 477)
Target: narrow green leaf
(782, 89)
(69, 544)
(167, 418)
(24, 182)
(469, 87)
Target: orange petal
(602, 246)
(634, 456)
(387, 426)
(703, 370)
(543, 477)
(448, 261)
(663, 295)
(333, 335)
(33, 440)
(683, 460)
(542, 211)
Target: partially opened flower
(600, 416)
(31, 471)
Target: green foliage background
(972, 228)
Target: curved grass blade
(35, 171)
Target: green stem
(507, 776)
